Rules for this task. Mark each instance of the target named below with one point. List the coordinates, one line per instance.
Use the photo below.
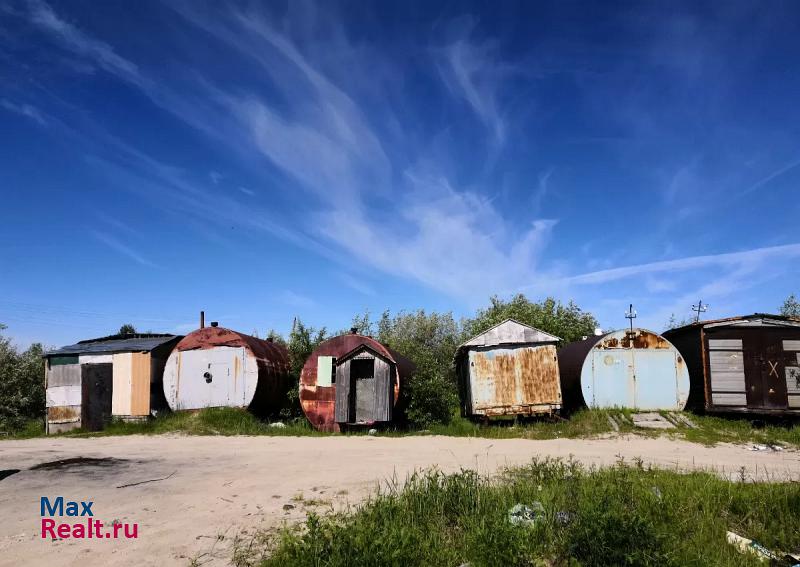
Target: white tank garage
(217, 367)
(635, 369)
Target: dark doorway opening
(362, 392)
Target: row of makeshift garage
(741, 364)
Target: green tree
(303, 339)
(674, 323)
(275, 337)
(22, 395)
(127, 329)
(569, 322)
(791, 307)
(429, 340)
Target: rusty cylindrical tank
(218, 367)
(635, 369)
(318, 401)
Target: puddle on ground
(7, 473)
(76, 462)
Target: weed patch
(623, 515)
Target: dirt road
(217, 486)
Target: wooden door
(96, 383)
(764, 369)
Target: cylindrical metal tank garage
(635, 369)
(352, 380)
(217, 367)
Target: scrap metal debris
(768, 447)
(522, 515)
(747, 545)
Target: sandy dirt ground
(218, 487)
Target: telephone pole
(699, 308)
(631, 315)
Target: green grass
(594, 423)
(583, 424)
(623, 515)
(211, 421)
(32, 428)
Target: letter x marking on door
(773, 368)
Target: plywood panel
(342, 404)
(121, 392)
(140, 383)
(64, 414)
(725, 343)
(63, 396)
(96, 358)
(728, 360)
(793, 379)
(64, 375)
(728, 399)
(324, 370)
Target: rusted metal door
(763, 353)
(96, 382)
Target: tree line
(428, 338)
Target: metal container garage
(635, 369)
(511, 369)
(747, 364)
(217, 367)
(352, 380)
(120, 375)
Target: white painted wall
(234, 377)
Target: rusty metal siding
(510, 381)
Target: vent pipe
(202, 319)
(214, 324)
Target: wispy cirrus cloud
(24, 109)
(473, 74)
(122, 248)
(352, 168)
(724, 260)
(99, 52)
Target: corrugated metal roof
(134, 343)
(754, 320)
(511, 332)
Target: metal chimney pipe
(202, 319)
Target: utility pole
(631, 315)
(699, 308)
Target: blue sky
(267, 160)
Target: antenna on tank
(699, 308)
(631, 315)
